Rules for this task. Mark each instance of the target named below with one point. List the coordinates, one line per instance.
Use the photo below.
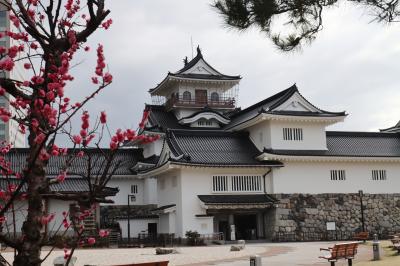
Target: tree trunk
(29, 251)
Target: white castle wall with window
(347, 176)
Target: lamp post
(130, 196)
(360, 193)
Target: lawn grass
(389, 257)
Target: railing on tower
(221, 102)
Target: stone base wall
(308, 213)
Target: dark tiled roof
(151, 160)
(70, 184)
(161, 208)
(205, 76)
(192, 63)
(267, 106)
(207, 110)
(125, 157)
(213, 148)
(113, 212)
(161, 119)
(237, 199)
(353, 144)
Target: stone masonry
(304, 214)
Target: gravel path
(273, 254)
(185, 256)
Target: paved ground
(290, 254)
(273, 254)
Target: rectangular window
(237, 183)
(220, 183)
(134, 189)
(295, 134)
(338, 175)
(379, 175)
(204, 123)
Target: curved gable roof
(270, 106)
(186, 72)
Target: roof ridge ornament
(199, 51)
(185, 61)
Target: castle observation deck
(197, 85)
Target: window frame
(186, 96)
(237, 183)
(337, 175)
(379, 174)
(292, 134)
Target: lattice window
(379, 175)
(220, 183)
(246, 183)
(237, 183)
(292, 134)
(204, 123)
(134, 189)
(338, 175)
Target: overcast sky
(353, 65)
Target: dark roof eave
(362, 134)
(314, 153)
(307, 114)
(206, 77)
(199, 164)
(237, 199)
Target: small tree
(46, 37)
(301, 18)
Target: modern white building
(9, 131)
(272, 168)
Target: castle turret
(196, 87)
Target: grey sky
(352, 66)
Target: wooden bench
(396, 242)
(397, 247)
(341, 251)
(361, 236)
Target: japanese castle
(254, 173)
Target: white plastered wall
(150, 190)
(124, 184)
(57, 207)
(314, 178)
(152, 148)
(169, 192)
(20, 211)
(269, 134)
(198, 181)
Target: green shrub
(194, 239)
